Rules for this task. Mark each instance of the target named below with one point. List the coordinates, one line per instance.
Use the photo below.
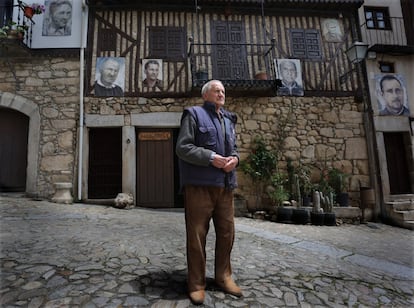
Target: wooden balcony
(391, 40)
(241, 67)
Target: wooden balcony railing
(16, 34)
(391, 38)
(242, 66)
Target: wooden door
(155, 168)
(14, 130)
(396, 152)
(229, 61)
(105, 163)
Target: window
(306, 44)
(386, 67)
(377, 18)
(107, 40)
(167, 43)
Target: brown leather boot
(230, 287)
(197, 297)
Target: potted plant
(261, 75)
(317, 215)
(13, 31)
(338, 181)
(278, 194)
(202, 74)
(259, 166)
(327, 201)
(300, 215)
(32, 9)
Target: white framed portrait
(152, 74)
(391, 93)
(332, 30)
(59, 26)
(289, 71)
(109, 76)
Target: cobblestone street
(83, 255)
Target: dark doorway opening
(397, 151)
(14, 131)
(105, 163)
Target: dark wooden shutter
(229, 57)
(306, 44)
(167, 43)
(107, 40)
(313, 44)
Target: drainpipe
(81, 91)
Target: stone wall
(53, 85)
(320, 129)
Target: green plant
(4, 31)
(337, 180)
(12, 26)
(277, 191)
(259, 164)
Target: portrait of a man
(58, 18)
(152, 74)
(289, 72)
(332, 30)
(109, 79)
(392, 95)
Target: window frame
(159, 43)
(306, 44)
(373, 21)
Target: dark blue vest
(209, 135)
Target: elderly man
(105, 85)
(207, 150)
(289, 73)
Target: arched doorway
(14, 128)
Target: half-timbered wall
(126, 34)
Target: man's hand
(226, 163)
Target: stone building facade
(326, 124)
(47, 92)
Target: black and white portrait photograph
(332, 30)
(289, 71)
(391, 92)
(58, 18)
(110, 76)
(152, 73)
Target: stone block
(63, 193)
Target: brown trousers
(203, 203)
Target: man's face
(393, 95)
(109, 72)
(152, 71)
(62, 15)
(288, 72)
(216, 94)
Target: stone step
(400, 205)
(404, 197)
(402, 216)
(408, 224)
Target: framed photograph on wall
(391, 93)
(332, 30)
(60, 26)
(289, 71)
(109, 76)
(152, 74)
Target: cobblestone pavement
(79, 255)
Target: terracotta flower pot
(28, 12)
